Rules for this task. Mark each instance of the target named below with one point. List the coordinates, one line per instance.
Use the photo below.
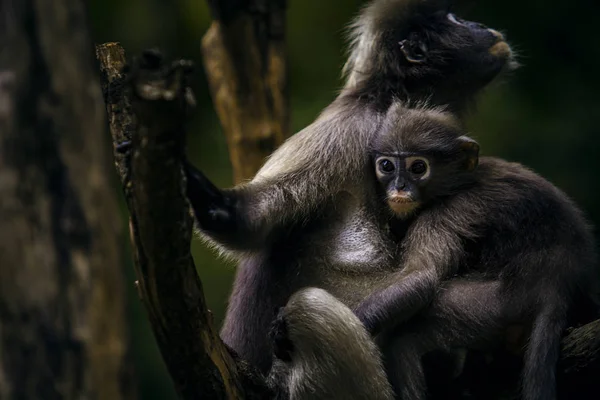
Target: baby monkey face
(401, 177)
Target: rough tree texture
(62, 308)
(151, 113)
(579, 368)
(244, 58)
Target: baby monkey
(483, 244)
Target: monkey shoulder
(336, 140)
(509, 184)
(510, 197)
(504, 198)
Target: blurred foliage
(544, 115)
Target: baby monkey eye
(386, 166)
(418, 167)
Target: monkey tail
(541, 357)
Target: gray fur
(333, 356)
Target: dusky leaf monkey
(323, 352)
(483, 245)
(305, 220)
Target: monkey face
(401, 177)
(444, 46)
(419, 155)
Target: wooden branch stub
(245, 62)
(161, 224)
(121, 119)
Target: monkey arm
(221, 214)
(245, 217)
(432, 251)
(398, 302)
(310, 168)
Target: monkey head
(418, 48)
(419, 155)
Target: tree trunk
(63, 332)
(245, 62)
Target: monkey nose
(496, 34)
(400, 184)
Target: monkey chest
(348, 256)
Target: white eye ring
(452, 18)
(380, 172)
(411, 160)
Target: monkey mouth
(402, 205)
(500, 50)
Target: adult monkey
(482, 248)
(304, 219)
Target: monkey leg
(465, 314)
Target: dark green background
(544, 115)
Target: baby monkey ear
(470, 148)
(414, 49)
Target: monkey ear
(414, 49)
(470, 148)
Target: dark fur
(299, 221)
(489, 248)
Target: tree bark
(245, 62)
(579, 367)
(149, 108)
(63, 330)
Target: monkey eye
(418, 167)
(386, 166)
(414, 49)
